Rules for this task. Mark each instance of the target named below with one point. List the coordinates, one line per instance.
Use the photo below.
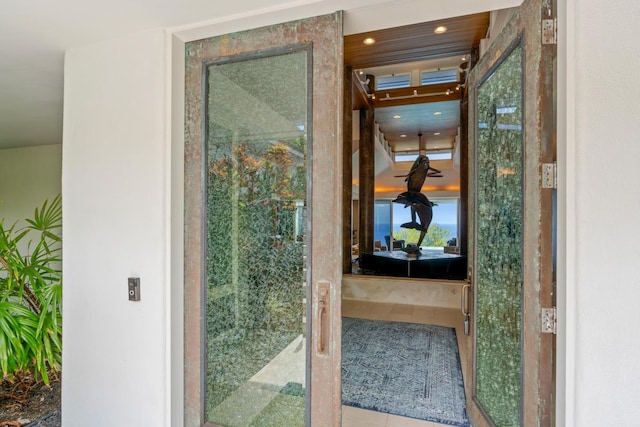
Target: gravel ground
(30, 404)
(51, 420)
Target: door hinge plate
(550, 31)
(549, 320)
(549, 175)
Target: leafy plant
(31, 294)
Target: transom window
(439, 76)
(394, 81)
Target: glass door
(511, 132)
(499, 250)
(263, 282)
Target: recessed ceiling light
(369, 41)
(396, 116)
(437, 113)
(404, 135)
(440, 30)
(464, 58)
(436, 133)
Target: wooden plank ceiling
(416, 42)
(406, 45)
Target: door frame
(324, 35)
(538, 349)
(362, 17)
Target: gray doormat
(406, 369)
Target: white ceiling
(34, 35)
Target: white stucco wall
(28, 177)
(116, 198)
(118, 186)
(603, 286)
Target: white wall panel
(116, 225)
(605, 251)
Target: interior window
(381, 223)
(439, 76)
(393, 81)
(443, 230)
(433, 155)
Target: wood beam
(360, 93)
(366, 180)
(416, 95)
(347, 172)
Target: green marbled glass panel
(499, 174)
(256, 116)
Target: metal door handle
(464, 299)
(323, 318)
(464, 305)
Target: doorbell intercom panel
(134, 288)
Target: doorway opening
(409, 103)
(409, 99)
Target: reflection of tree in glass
(254, 263)
(436, 236)
(252, 207)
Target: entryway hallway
(356, 417)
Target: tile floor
(355, 417)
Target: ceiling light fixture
(369, 41)
(440, 30)
(422, 147)
(437, 113)
(404, 135)
(396, 116)
(436, 133)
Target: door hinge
(550, 31)
(549, 318)
(550, 175)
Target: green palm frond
(31, 294)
